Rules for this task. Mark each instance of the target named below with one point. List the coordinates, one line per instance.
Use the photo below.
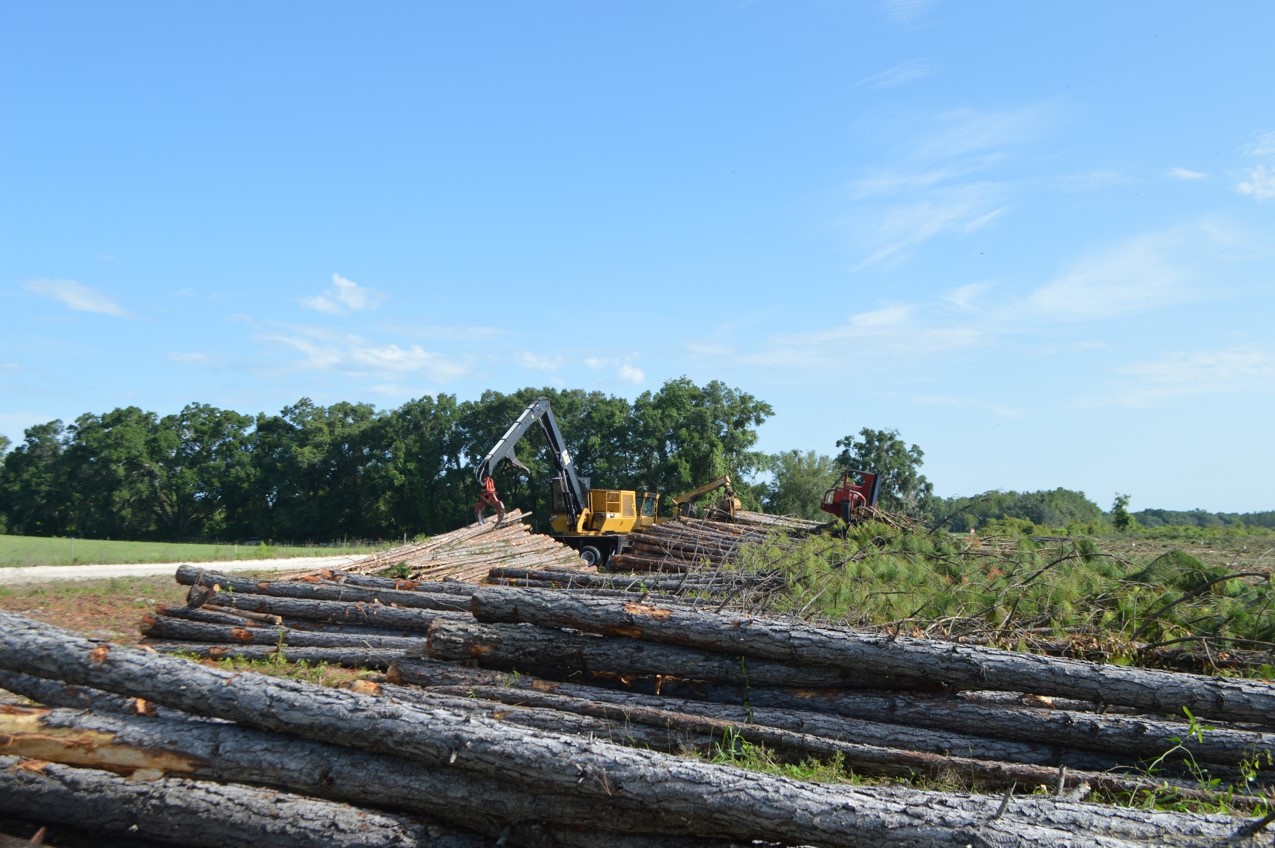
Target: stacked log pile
(468, 553)
(580, 744)
(179, 753)
(687, 544)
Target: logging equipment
(853, 495)
(723, 510)
(596, 522)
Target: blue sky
(1038, 240)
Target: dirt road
(43, 573)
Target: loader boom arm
(540, 413)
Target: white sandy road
(43, 573)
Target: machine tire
(591, 555)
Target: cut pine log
(166, 627)
(315, 590)
(224, 752)
(958, 666)
(199, 813)
(709, 800)
(561, 655)
(338, 612)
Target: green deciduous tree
(1120, 517)
(33, 493)
(799, 482)
(685, 435)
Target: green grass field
(32, 550)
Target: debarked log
(708, 799)
(336, 612)
(316, 590)
(562, 655)
(877, 654)
(199, 813)
(448, 587)
(167, 627)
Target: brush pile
(552, 705)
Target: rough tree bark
(874, 655)
(315, 590)
(524, 647)
(222, 752)
(167, 627)
(200, 813)
(335, 612)
(710, 800)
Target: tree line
(348, 470)
(314, 473)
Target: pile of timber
(782, 523)
(603, 687)
(468, 553)
(133, 744)
(687, 544)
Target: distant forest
(313, 473)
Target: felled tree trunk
(335, 612)
(707, 800)
(350, 657)
(946, 723)
(199, 813)
(227, 753)
(315, 590)
(875, 655)
(167, 627)
(560, 655)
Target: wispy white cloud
(964, 132)
(352, 355)
(1186, 174)
(1260, 181)
(1249, 369)
(899, 75)
(623, 369)
(344, 296)
(77, 297)
(938, 184)
(1144, 273)
(908, 12)
(539, 362)
(904, 226)
(893, 333)
(187, 357)
(710, 349)
(1095, 180)
(965, 297)
(973, 402)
